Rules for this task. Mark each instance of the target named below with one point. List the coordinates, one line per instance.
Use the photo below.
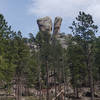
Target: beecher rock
(57, 25)
(45, 24)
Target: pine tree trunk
(89, 65)
(91, 83)
(55, 83)
(64, 78)
(77, 92)
(47, 84)
(39, 77)
(18, 88)
(40, 94)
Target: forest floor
(84, 94)
(34, 98)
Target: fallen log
(60, 93)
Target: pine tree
(84, 31)
(7, 66)
(43, 41)
(77, 67)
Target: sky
(22, 14)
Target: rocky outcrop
(57, 25)
(45, 24)
(64, 39)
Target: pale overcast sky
(22, 14)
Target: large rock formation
(57, 25)
(45, 24)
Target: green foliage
(43, 50)
(84, 31)
(21, 52)
(76, 62)
(97, 59)
(6, 64)
(43, 42)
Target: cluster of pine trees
(40, 62)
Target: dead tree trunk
(60, 94)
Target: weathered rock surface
(57, 25)
(63, 39)
(45, 24)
